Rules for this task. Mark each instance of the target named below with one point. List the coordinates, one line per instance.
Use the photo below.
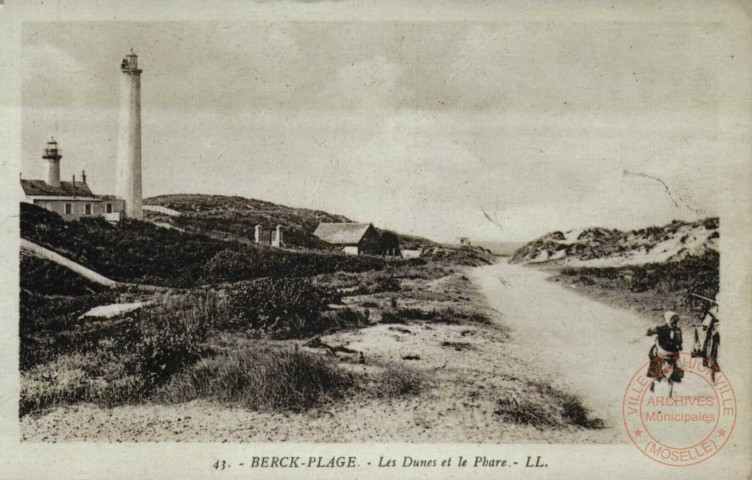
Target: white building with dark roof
(71, 200)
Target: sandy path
(47, 254)
(591, 348)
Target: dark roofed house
(354, 238)
(38, 188)
(71, 200)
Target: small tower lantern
(53, 155)
(130, 63)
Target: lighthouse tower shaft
(129, 140)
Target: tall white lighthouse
(129, 140)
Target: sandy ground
(457, 405)
(113, 310)
(592, 347)
(550, 334)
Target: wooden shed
(352, 238)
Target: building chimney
(74, 185)
(53, 155)
(83, 177)
(277, 238)
(257, 234)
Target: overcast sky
(496, 131)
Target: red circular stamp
(682, 416)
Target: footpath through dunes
(592, 349)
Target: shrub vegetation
(141, 252)
(175, 347)
(265, 379)
(543, 406)
(111, 361)
(699, 275)
(46, 277)
(401, 380)
(281, 307)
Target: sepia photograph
(386, 230)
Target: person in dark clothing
(664, 354)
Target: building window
(88, 209)
(68, 208)
(109, 208)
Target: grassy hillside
(234, 218)
(234, 339)
(47, 277)
(140, 252)
(467, 256)
(220, 332)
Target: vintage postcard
(336, 239)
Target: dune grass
(650, 287)
(265, 379)
(140, 252)
(399, 380)
(210, 342)
(98, 377)
(542, 406)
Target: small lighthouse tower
(129, 140)
(53, 156)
